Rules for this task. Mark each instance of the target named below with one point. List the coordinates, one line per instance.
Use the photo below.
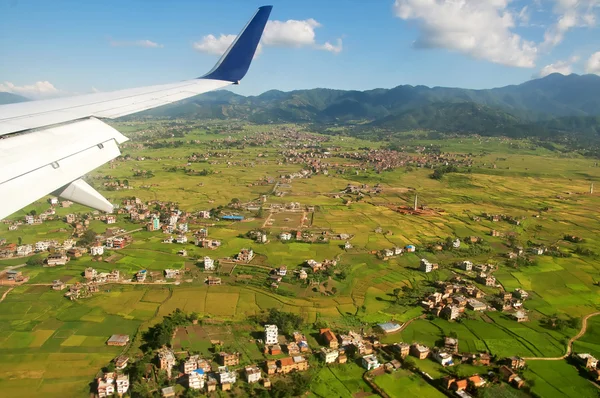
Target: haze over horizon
(61, 50)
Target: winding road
(571, 341)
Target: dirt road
(571, 341)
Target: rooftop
(119, 339)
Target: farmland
(50, 345)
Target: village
(286, 354)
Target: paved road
(571, 341)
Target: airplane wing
(47, 146)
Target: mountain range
(553, 104)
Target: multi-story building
(122, 383)
(253, 374)
(245, 255)
(419, 351)
(196, 379)
(329, 355)
(271, 334)
(190, 364)
(227, 359)
(166, 359)
(209, 263)
(97, 250)
(106, 386)
(329, 338)
(370, 362)
(90, 273)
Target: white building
(196, 379)
(106, 386)
(425, 266)
(122, 383)
(456, 243)
(204, 214)
(97, 250)
(271, 333)
(443, 358)
(183, 227)
(398, 251)
(29, 219)
(466, 265)
(173, 219)
(53, 201)
(329, 355)
(181, 239)
(370, 362)
(24, 250)
(253, 374)
(225, 376)
(209, 263)
(105, 389)
(42, 246)
(285, 236)
(282, 271)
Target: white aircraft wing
(47, 146)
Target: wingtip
(235, 62)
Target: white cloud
(38, 90)
(211, 44)
(524, 16)
(570, 14)
(334, 48)
(480, 29)
(291, 34)
(593, 64)
(135, 43)
(564, 67)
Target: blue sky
(63, 47)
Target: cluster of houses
(501, 217)
(387, 159)
(453, 297)
(448, 355)
(317, 266)
(386, 254)
(111, 383)
(9, 250)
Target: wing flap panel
(23, 153)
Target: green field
(52, 346)
(402, 383)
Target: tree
(437, 174)
(281, 389)
(301, 383)
(20, 241)
(142, 389)
(285, 321)
(88, 238)
(36, 260)
(33, 212)
(397, 292)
